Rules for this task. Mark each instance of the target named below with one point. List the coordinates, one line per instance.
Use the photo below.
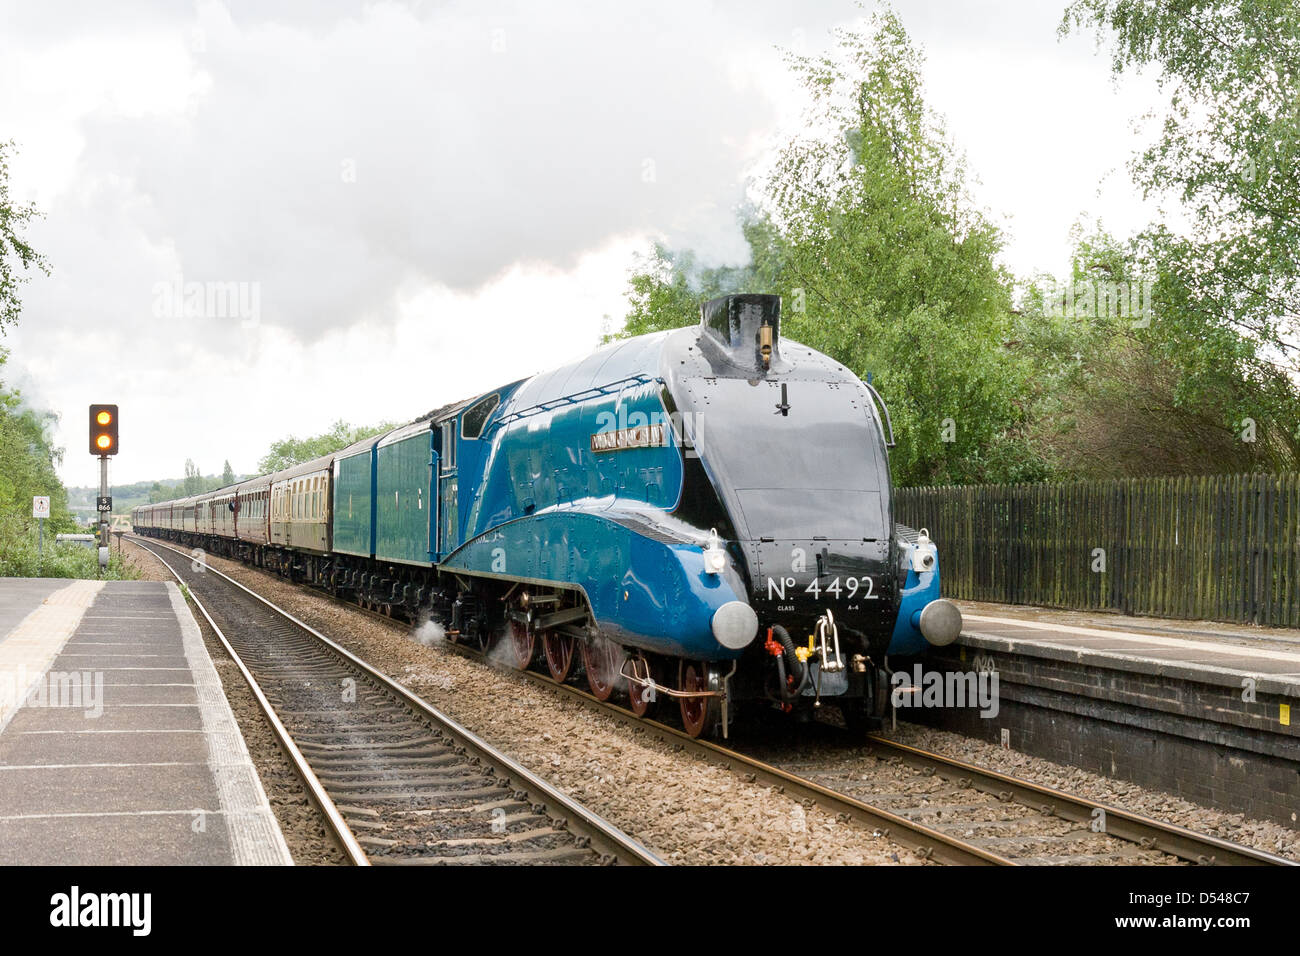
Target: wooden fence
(1221, 548)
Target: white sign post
(40, 511)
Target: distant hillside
(81, 501)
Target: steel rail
(338, 827)
(1122, 824)
(1147, 832)
(603, 835)
(927, 843)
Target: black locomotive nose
(796, 581)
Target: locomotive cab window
(476, 416)
(448, 454)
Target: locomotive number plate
(849, 589)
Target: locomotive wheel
(700, 715)
(523, 643)
(644, 702)
(601, 659)
(558, 649)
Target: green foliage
(193, 483)
(294, 451)
(866, 230)
(883, 264)
(14, 250)
(19, 556)
(1224, 342)
(1227, 150)
(28, 457)
(896, 268)
(667, 287)
(1132, 394)
(27, 463)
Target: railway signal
(103, 429)
(103, 442)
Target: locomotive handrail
(889, 440)
(572, 399)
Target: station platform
(117, 743)
(1219, 653)
(1209, 712)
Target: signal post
(103, 442)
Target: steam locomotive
(702, 517)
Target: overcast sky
(415, 202)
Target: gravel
(685, 810)
(145, 563)
(1260, 834)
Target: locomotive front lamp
(715, 559)
(924, 553)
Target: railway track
(943, 809)
(948, 810)
(397, 781)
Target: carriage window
(476, 416)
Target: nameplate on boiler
(643, 436)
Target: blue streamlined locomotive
(703, 515)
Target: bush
(18, 557)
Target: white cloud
(434, 199)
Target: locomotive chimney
(748, 327)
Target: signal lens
(103, 441)
(103, 418)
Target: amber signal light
(103, 429)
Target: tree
(1149, 389)
(666, 288)
(28, 463)
(865, 228)
(291, 451)
(193, 483)
(14, 250)
(227, 475)
(1227, 153)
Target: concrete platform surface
(1207, 652)
(117, 743)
